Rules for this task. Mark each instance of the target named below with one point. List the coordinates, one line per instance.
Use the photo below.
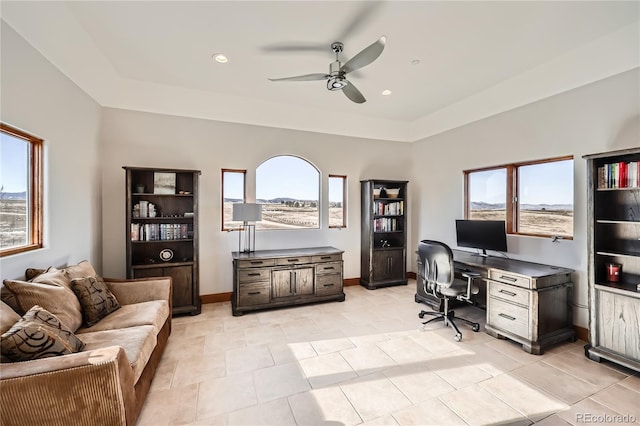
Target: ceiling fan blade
(366, 56)
(352, 92)
(361, 19)
(306, 77)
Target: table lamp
(245, 213)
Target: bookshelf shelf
(383, 234)
(613, 200)
(153, 221)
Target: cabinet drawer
(329, 268)
(293, 260)
(509, 293)
(326, 258)
(254, 294)
(508, 317)
(328, 284)
(256, 274)
(256, 263)
(509, 278)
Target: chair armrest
(140, 290)
(93, 387)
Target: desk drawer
(508, 317)
(255, 274)
(328, 284)
(509, 293)
(255, 293)
(256, 263)
(299, 260)
(326, 258)
(509, 278)
(328, 268)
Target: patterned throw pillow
(96, 299)
(38, 334)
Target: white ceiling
(476, 58)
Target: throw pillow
(31, 273)
(58, 300)
(81, 270)
(38, 334)
(96, 299)
(52, 276)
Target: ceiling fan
(336, 78)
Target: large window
(20, 191)
(288, 188)
(233, 191)
(337, 201)
(534, 198)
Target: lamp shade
(247, 212)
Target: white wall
(599, 117)
(152, 140)
(39, 99)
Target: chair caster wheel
(457, 337)
(476, 327)
(421, 314)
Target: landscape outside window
(288, 188)
(337, 201)
(542, 196)
(20, 195)
(233, 191)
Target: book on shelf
(384, 208)
(160, 231)
(386, 225)
(619, 175)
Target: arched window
(288, 188)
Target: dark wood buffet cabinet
(275, 278)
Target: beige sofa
(107, 381)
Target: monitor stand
(483, 254)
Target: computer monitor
(482, 234)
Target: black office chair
(438, 276)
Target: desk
(526, 302)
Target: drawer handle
(328, 285)
(508, 293)
(254, 274)
(257, 262)
(509, 317)
(325, 257)
(513, 280)
(253, 293)
(292, 260)
(326, 268)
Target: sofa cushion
(137, 342)
(58, 300)
(8, 317)
(52, 276)
(31, 273)
(95, 298)
(38, 334)
(154, 313)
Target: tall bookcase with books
(162, 230)
(383, 254)
(614, 257)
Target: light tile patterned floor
(366, 361)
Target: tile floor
(366, 361)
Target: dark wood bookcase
(163, 240)
(383, 258)
(614, 243)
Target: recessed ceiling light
(415, 62)
(386, 92)
(219, 57)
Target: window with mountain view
(288, 188)
(20, 191)
(233, 191)
(337, 201)
(534, 198)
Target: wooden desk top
(521, 267)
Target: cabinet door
(182, 279)
(304, 281)
(147, 273)
(281, 283)
(388, 265)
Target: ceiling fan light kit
(336, 79)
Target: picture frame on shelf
(164, 183)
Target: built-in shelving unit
(614, 243)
